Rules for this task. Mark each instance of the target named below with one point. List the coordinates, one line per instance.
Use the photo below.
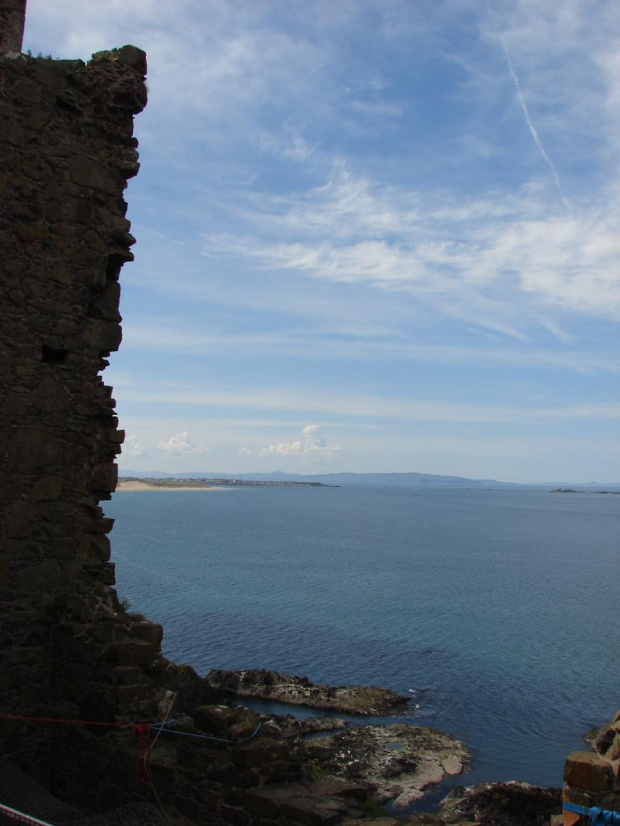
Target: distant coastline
(131, 483)
(342, 479)
(142, 485)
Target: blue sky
(373, 235)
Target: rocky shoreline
(295, 690)
(395, 763)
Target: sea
(496, 611)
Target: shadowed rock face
(68, 649)
(503, 804)
(285, 688)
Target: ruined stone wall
(66, 152)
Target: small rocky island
(295, 690)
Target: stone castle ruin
(80, 678)
(68, 650)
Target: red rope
(61, 720)
(143, 757)
(143, 730)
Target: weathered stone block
(33, 232)
(45, 576)
(20, 520)
(150, 632)
(13, 678)
(241, 730)
(588, 771)
(105, 478)
(259, 753)
(209, 798)
(261, 804)
(234, 816)
(32, 449)
(605, 740)
(61, 548)
(16, 404)
(94, 175)
(102, 334)
(5, 571)
(131, 652)
(133, 57)
(273, 773)
(47, 489)
(52, 395)
(131, 695)
(108, 574)
(106, 631)
(96, 548)
(27, 89)
(215, 720)
(332, 786)
(187, 807)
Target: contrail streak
(528, 119)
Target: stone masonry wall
(593, 778)
(66, 152)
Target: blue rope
(598, 817)
(162, 727)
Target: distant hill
(345, 479)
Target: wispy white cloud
(181, 445)
(281, 449)
(377, 345)
(368, 407)
(133, 446)
(490, 263)
(312, 446)
(295, 148)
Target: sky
(373, 235)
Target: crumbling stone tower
(12, 19)
(66, 151)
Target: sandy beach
(133, 485)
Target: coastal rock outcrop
(502, 804)
(394, 763)
(286, 688)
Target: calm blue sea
(496, 609)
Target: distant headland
(132, 483)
